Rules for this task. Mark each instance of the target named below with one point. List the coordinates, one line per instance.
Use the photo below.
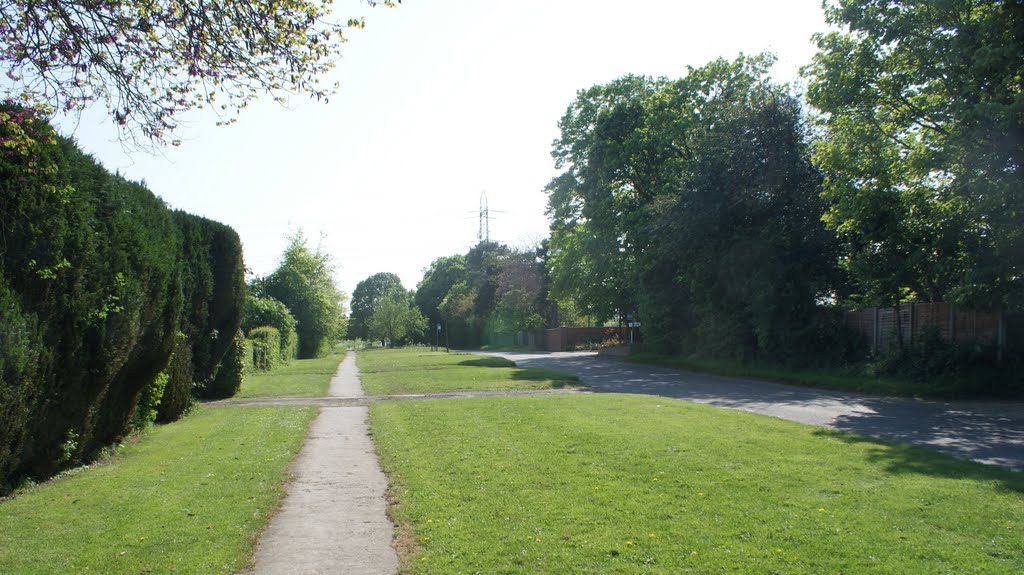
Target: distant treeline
(115, 311)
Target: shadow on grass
(558, 379)
(899, 459)
(488, 362)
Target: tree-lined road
(988, 432)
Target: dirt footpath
(334, 517)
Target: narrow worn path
(334, 517)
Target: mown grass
(419, 370)
(297, 378)
(638, 484)
(823, 378)
(190, 497)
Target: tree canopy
(923, 147)
(692, 201)
(304, 283)
(394, 318)
(365, 297)
(150, 61)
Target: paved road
(988, 432)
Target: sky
(440, 102)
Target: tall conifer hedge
(97, 282)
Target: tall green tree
(438, 279)
(694, 202)
(365, 297)
(304, 283)
(923, 147)
(394, 318)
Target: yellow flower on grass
(694, 552)
(629, 542)
(652, 536)
(821, 510)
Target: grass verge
(637, 484)
(191, 497)
(297, 378)
(823, 378)
(419, 370)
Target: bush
(213, 281)
(231, 371)
(267, 311)
(177, 396)
(149, 400)
(265, 347)
(97, 279)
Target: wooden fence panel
(880, 328)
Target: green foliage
(266, 346)
(437, 282)
(692, 201)
(97, 278)
(89, 265)
(267, 311)
(149, 63)
(517, 311)
(304, 284)
(177, 398)
(146, 409)
(365, 297)
(230, 372)
(213, 281)
(20, 354)
(922, 147)
(394, 318)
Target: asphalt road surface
(988, 432)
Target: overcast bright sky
(440, 100)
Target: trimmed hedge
(97, 279)
(266, 347)
(267, 311)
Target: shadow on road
(984, 434)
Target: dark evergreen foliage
(91, 299)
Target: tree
(303, 282)
(923, 147)
(148, 62)
(394, 318)
(692, 201)
(365, 298)
(438, 279)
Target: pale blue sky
(440, 100)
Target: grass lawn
(645, 485)
(190, 497)
(824, 378)
(298, 378)
(419, 370)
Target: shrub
(231, 371)
(97, 279)
(267, 311)
(177, 396)
(149, 400)
(265, 347)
